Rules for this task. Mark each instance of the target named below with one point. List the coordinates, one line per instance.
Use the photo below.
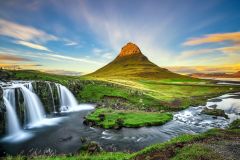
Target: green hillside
(132, 64)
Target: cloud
(32, 45)
(204, 69)
(25, 33)
(214, 38)
(4, 57)
(19, 66)
(107, 55)
(71, 58)
(70, 43)
(112, 30)
(102, 53)
(64, 72)
(193, 53)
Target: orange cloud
(214, 38)
(205, 69)
(4, 57)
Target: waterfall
(35, 111)
(30, 87)
(67, 99)
(10, 96)
(13, 126)
(51, 92)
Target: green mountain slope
(131, 63)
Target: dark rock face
(5, 75)
(43, 90)
(2, 113)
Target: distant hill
(216, 75)
(131, 63)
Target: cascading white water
(13, 126)
(30, 87)
(50, 88)
(10, 96)
(67, 99)
(35, 111)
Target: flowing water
(68, 101)
(35, 110)
(51, 92)
(65, 136)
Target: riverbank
(215, 144)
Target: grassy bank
(149, 95)
(108, 118)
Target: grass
(37, 75)
(156, 95)
(80, 156)
(168, 94)
(112, 118)
(196, 151)
(235, 124)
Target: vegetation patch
(235, 124)
(108, 118)
(214, 112)
(196, 151)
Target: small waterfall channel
(31, 109)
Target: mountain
(216, 75)
(131, 63)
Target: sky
(80, 36)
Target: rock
(129, 49)
(2, 113)
(66, 139)
(214, 112)
(101, 117)
(91, 147)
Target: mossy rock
(235, 124)
(214, 112)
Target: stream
(62, 132)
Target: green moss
(196, 151)
(112, 118)
(81, 156)
(214, 112)
(235, 124)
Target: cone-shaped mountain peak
(132, 64)
(129, 49)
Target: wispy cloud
(70, 42)
(32, 45)
(25, 33)
(48, 56)
(194, 53)
(73, 59)
(103, 53)
(214, 38)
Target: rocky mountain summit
(129, 49)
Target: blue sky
(63, 36)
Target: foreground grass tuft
(196, 151)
